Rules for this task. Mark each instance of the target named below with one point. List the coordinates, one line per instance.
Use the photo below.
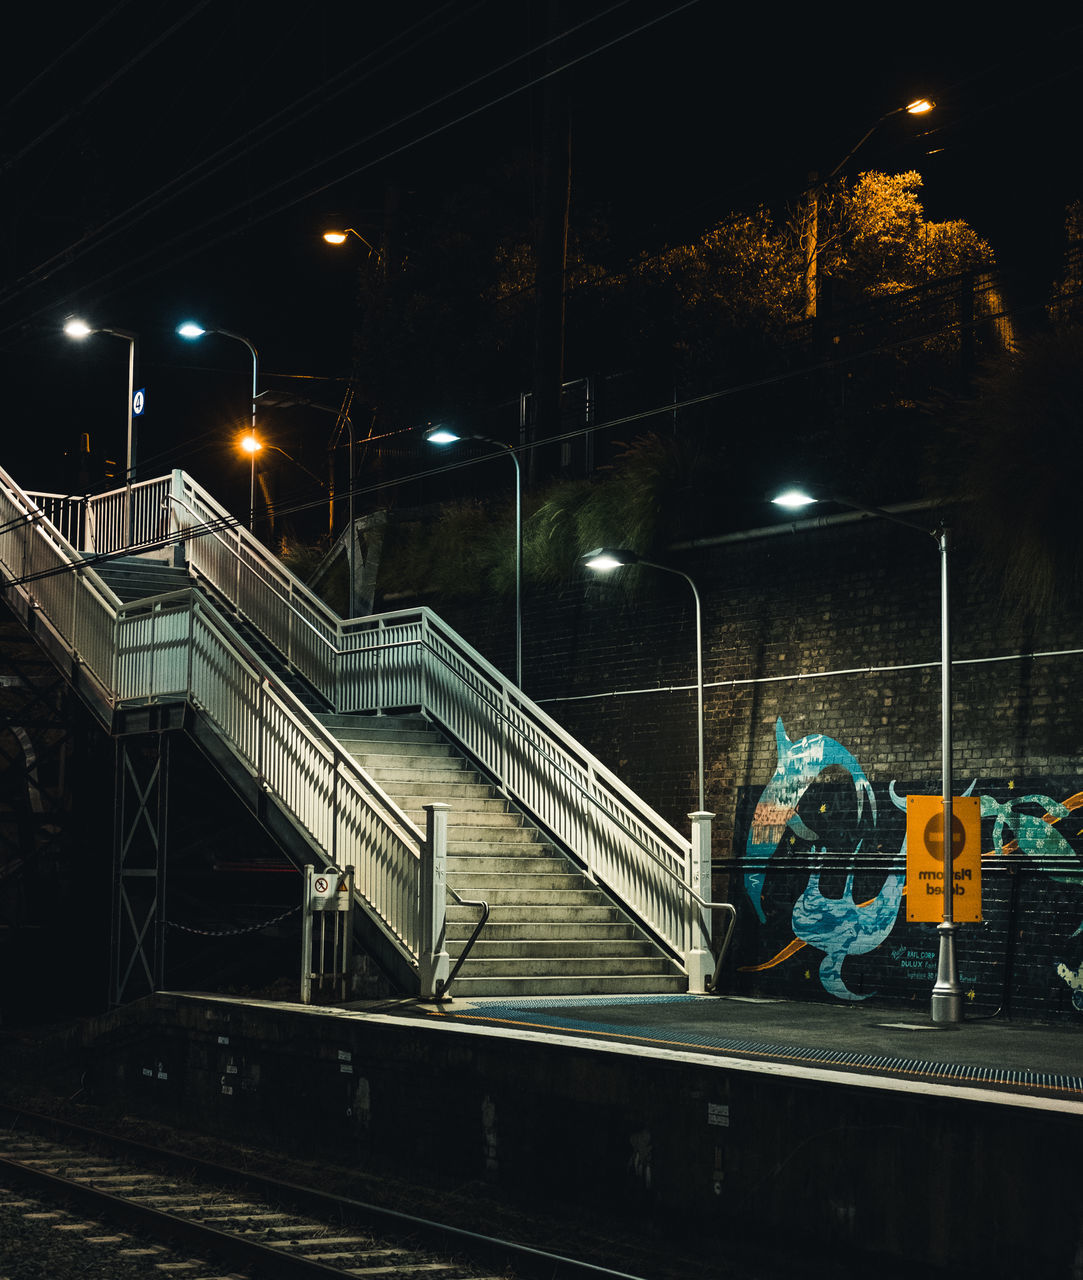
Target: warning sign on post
(329, 890)
(926, 869)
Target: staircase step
(462, 846)
(551, 929)
(561, 950)
(421, 753)
(445, 788)
(526, 966)
(525, 915)
(525, 887)
(470, 868)
(568, 985)
(600, 934)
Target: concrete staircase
(551, 930)
(135, 578)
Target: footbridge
(486, 846)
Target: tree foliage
(881, 242)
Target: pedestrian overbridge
(488, 847)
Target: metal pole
(519, 573)
(129, 465)
(947, 1003)
(665, 568)
(129, 448)
(238, 337)
(350, 598)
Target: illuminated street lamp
(444, 435)
(191, 330)
(276, 400)
(811, 235)
(251, 445)
(340, 237)
(79, 329)
(947, 997)
(604, 560)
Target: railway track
(115, 1208)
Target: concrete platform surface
(1037, 1060)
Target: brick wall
(834, 631)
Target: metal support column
(140, 824)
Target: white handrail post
(176, 506)
(433, 959)
(697, 958)
(306, 935)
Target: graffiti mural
(823, 868)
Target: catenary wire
(266, 211)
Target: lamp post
(443, 435)
(191, 330)
(340, 237)
(605, 559)
(947, 995)
(79, 329)
(251, 445)
(275, 400)
(918, 107)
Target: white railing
(180, 646)
(410, 659)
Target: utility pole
(551, 255)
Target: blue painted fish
(799, 765)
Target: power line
(265, 211)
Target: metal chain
(230, 933)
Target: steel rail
(482, 1250)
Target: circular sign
(320, 884)
(933, 835)
(139, 401)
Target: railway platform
(860, 1043)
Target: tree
(881, 243)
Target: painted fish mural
(799, 765)
(842, 926)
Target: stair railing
(411, 659)
(180, 646)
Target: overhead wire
(60, 57)
(89, 98)
(265, 210)
(209, 166)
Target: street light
(191, 330)
(251, 445)
(604, 560)
(917, 107)
(444, 435)
(947, 997)
(340, 237)
(277, 401)
(79, 329)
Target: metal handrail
(731, 910)
(442, 988)
(543, 752)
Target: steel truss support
(140, 823)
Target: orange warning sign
(925, 870)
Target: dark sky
(164, 160)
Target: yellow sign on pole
(925, 859)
